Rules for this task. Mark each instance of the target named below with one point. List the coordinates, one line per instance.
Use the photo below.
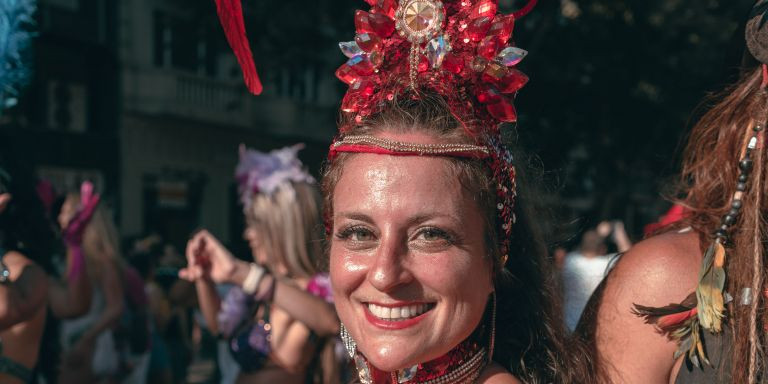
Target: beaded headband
(372, 144)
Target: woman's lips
(396, 316)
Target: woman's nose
(390, 269)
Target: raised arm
(215, 264)
(71, 298)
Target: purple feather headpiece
(260, 172)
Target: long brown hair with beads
(708, 181)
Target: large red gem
(361, 65)
(350, 102)
(489, 47)
(346, 74)
(483, 8)
(478, 28)
(453, 63)
(368, 41)
(512, 81)
(487, 94)
(377, 23)
(362, 87)
(502, 27)
(503, 110)
(384, 7)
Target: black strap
(15, 369)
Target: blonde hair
(101, 241)
(289, 227)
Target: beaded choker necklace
(462, 364)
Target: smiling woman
(437, 273)
(421, 283)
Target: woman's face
(408, 265)
(259, 252)
(251, 235)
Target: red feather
(669, 322)
(231, 17)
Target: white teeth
(397, 313)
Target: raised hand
(73, 233)
(207, 258)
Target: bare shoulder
(496, 374)
(18, 263)
(655, 272)
(659, 259)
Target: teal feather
(16, 32)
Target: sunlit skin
(405, 232)
(5, 199)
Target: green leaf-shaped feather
(709, 292)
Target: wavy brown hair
(709, 177)
(531, 341)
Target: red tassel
(231, 17)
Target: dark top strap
(12, 368)
(719, 352)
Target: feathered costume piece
(16, 23)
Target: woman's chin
(391, 358)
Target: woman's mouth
(396, 316)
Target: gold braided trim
(403, 147)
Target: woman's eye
(434, 236)
(356, 234)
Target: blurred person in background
(90, 350)
(585, 267)
(180, 294)
(144, 258)
(27, 245)
(276, 318)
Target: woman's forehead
(417, 184)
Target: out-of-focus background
(145, 98)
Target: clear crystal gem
(350, 48)
(511, 56)
(363, 372)
(407, 374)
(436, 50)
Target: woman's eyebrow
(354, 216)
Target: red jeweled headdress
(457, 49)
